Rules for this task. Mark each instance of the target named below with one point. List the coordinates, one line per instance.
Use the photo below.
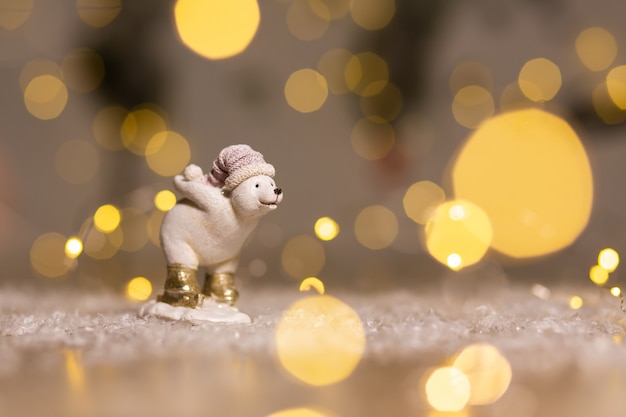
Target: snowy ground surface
(70, 354)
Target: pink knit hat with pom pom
(237, 163)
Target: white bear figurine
(208, 228)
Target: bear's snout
(278, 191)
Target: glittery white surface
(91, 354)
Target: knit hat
(237, 163)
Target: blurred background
(414, 140)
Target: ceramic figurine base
(209, 312)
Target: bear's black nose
(277, 191)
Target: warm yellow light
(74, 369)
(13, 13)
(608, 259)
(575, 302)
(332, 66)
(306, 90)
(596, 48)
(107, 218)
(107, 127)
(376, 227)
(139, 127)
(308, 20)
(217, 29)
(472, 105)
(372, 14)
(386, 104)
(164, 200)
(167, 153)
(470, 73)
(372, 138)
(100, 245)
(73, 247)
(366, 73)
(77, 161)
(139, 289)
(616, 86)
(616, 291)
(458, 234)
(421, 199)
(301, 412)
(539, 79)
(447, 389)
(526, 169)
(487, 370)
(326, 228)
(303, 256)
(312, 282)
(512, 99)
(98, 13)
(83, 70)
(45, 97)
(320, 340)
(47, 255)
(605, 107)
(598, 275)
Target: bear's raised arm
(193, 186)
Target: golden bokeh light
(306, 90)
(616, 291)
(98, 13)
(13, 13)
(138, 289)
(458, 234)
(421, 199)
(332, 66)
(472, 105)
(83, 70)
(540, 79)
(36, 68)
(47, 255)
(366, 74)
(320, 340)
(308, 20)
(575, 302)
(337, 9)
(447, 389)
(164, 200)
(529, 172)
(303, 256)
(77, 161)
(312, 282)
(326, 228)
(73, 247)
(302, 412)
(75, 370)
(107, 127)
(487, 370)
(596, 48)
(616, 86)
(107, 218)
(100, 245)
(134, 226)
(372, 14)
(512, 99)
(470, 73)
(45, 97)
(168, 153)
(605, 107)
(217, 29)
(140, 126)
(387, 104)
(372, 138)
(598, 275)
(608, 259)
(376, 227)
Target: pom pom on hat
(237, 163)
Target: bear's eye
(256, 185)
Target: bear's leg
(221, 287)
(181, 287)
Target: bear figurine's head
(256, 196)
(247, 179)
